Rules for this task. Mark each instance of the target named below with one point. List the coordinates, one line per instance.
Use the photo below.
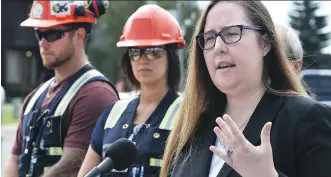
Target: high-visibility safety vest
(150, 139)
(120, 106)
(44, 129)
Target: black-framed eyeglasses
(52, 35)
(229, 35)
(151, 53)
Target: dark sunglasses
(151, 53)
(51, 35)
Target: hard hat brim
(37, 23)
(147, 43)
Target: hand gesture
(246, 159)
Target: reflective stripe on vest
(116, 112)
(167, 121)
(54, 151)
(155, 162)
(167, 124)
(36, 95)
(120, 106)
(63, 105)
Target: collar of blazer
(198, 164)
(266, 111)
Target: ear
(265, 44)
(79, 36)
(298, 65)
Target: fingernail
(225, 117)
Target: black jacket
(300, 138)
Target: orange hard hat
(151, 25)
(45, 14)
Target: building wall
(21, 66)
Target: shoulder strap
(116, 112)
(171, 114)
(36, 95)
(167, 124)
(63, 109)
(120, 106)
(63, 105)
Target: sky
(279, 13)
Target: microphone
(119, 156)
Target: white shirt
(216, 162)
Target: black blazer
(300, 138)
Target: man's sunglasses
(151, 53)
(51, 35)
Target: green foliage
(107, 59)
(8, 116)
(189, 14)
(311, 27)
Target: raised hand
(246, 159)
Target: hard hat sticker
(37, 11)
(60, 8)
(81, 3)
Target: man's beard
(61, 60)
(58, 62)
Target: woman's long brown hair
(200, 90)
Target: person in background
(151, 37)
(291, 43)
(58, 117)
(290, 40)
(244, 111)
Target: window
(14, 67)
(320, 85)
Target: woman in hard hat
(152, 37)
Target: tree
(191, 13)
(106, 56)
(310, 26)
(187, 13)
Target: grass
(8, 116)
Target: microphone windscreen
(123, 153)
